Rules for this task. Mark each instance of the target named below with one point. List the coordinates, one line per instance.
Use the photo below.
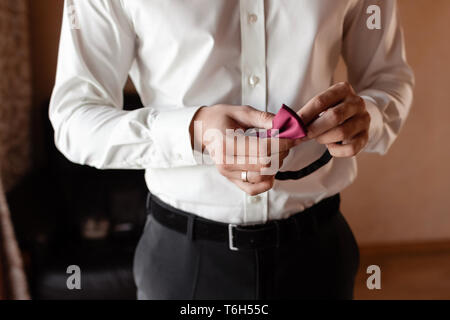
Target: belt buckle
(231, 237)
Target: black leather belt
(238, 237)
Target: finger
(239, 167)
(350, 149)
(276, 164)
(343, 132)
(257, 164)
(327, 99)
(254, 189)
(263, 161)
(249, 117)
(332, 118)
(250, 146)
(252, 176)
(277, 145)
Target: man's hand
(236, 153)
(338, 119)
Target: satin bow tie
(288, 124)
(291, 126)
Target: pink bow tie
(291, 126)
(288, 124)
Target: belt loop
(148, 203)
(190, 227)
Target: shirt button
(254, 199)
(178, 156)
(252, 18)
(253, 81)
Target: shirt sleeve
(97, 49)
(377, 69)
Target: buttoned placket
(253, 59)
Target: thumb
(250, 117)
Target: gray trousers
(318, 265)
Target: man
(226, 229)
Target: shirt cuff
(172, 137)
(376, 122)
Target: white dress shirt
(185, 54)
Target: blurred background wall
(399, 198)
(15, 91)
(405, 196)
